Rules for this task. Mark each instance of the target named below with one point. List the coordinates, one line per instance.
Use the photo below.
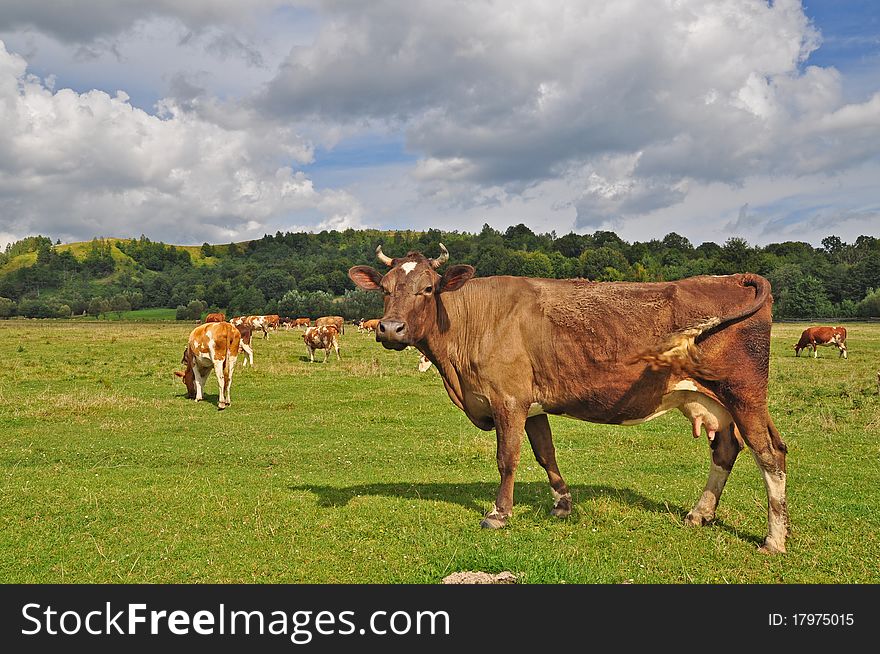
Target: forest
(304, 274)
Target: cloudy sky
(221, 120)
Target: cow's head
(411, 289)
(187, 374)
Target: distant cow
(322, 337)
(513, 350)
(211, 345)
(262, 323)
(245, 330)
(815, 336)
(302, 322)
(337, 321)
(424, 363)
(273, 321)
(215, 317)
(370, 325)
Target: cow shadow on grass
(477, 497)
(207, 399)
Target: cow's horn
(443, 258)
(388, 261)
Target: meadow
(361, 470)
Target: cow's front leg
(509, 424)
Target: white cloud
(506, 95)
(75, 165)
(583, 114)
(87, 20)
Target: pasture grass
(362, 471)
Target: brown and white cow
(369, 325)
(336, 321)
(513, 350)
(262, 323)
(815, 336)
(321, 337)
(424, 363)
(302, 322)
(215, 317)
(245, 331)
(211, 345)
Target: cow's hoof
(696, 519)
(770, 547)
(561, 510)
(221, 406)
(494, 522)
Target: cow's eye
(428, 290)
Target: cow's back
(577, 343)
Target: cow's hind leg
(538, 429)
(768, 450)
(218, 371)
(509, 424)
(249, 355)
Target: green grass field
(362, 471)
(138, 315)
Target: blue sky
(218, 120)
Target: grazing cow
(815, 336)
(211, 345)
(370, 325)
(302, 322)
(262, 323)
(273, 320)
(321, 337)
(245, 330)
(512, 350)
(215, 317)
(337, 321)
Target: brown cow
(512, 350)
(302, 322)
(211, 345)
(321, 337)
(215, 317)
(337, 321)
(815, 336)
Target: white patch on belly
(638, 421)
(535, 409)
(408, 266)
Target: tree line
(304, 274)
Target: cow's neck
(451, 342)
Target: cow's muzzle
(392, 334)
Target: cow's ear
(365, 277)
(455, 277)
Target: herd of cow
(216, 344)
(513, 350)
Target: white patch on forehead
(409, 266)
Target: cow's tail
(679, 353)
